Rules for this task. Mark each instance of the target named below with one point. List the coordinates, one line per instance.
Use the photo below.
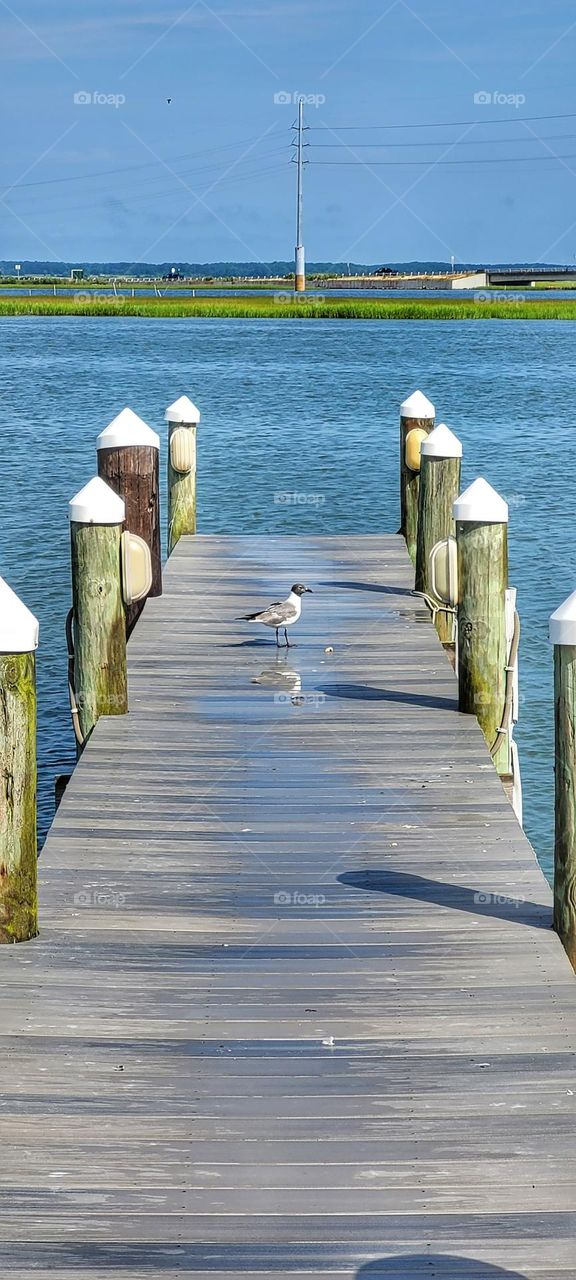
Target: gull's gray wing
(276, 615)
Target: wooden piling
(481, 517)
(416, 422)
(100, 678)
(129, 461)
(441, 455)
(18, 841)
(563, 637)
(182, 418)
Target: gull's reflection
(280, 677)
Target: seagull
(281, 614)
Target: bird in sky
(282, 614)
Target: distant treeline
(154, 270)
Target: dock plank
(296, 1007)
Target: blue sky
(208, 176)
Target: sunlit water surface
(294, 407)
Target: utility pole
(300, 276)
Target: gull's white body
(283, 614)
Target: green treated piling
(481, 517)
(416, 422)
(18, 840)
(563, 637)
(441, 455)
(100, 678)
(182, 418)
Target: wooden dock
(296, 1008)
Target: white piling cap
(19, 628)
(563, 622)
(480, 504)
(441, 443)
(183, 410)
(126, 430)
(417, 406)
(97, 503)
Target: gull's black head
(299, 590)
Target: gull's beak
(310, 591)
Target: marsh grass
(271, 309)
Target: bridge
(517, 277)
(296, 1008)
(513, 277)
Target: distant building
(174, 274)
(77, 273)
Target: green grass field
(271, 309)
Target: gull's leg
(277, 640)
(288, 645)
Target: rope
(436, 608)
(71, 680)
(510, 668)
(509, 697)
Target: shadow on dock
(439, 1266)
(454, 896)
(365, 693)
(370, 586)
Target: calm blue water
(94, 295)
(293, 407)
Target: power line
(395, 164)
(178, 177)
(440, 124)
(149, 164)
(441, 142)
(141, 201)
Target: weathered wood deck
(370, 1075)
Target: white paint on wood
(417, 406)
(183, 411)
(480, 504)
(563, 622)
(19, 629)
(97, 503)
(126, 430)
(442, 443)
